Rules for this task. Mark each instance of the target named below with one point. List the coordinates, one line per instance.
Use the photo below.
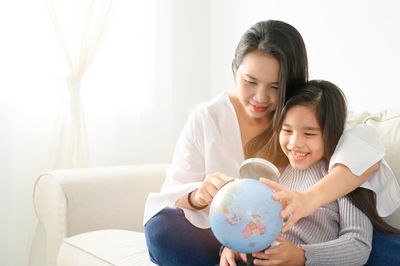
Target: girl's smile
(301, 137)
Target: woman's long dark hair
(284, 42)
(329, 104)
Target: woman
(270, 63)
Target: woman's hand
(229, 257)
(204, 195)
(283, 253)
(296, 204)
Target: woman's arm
(339, 182)
(200, 198)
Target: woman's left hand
(283, 253)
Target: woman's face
(301, 137)
(257, 79)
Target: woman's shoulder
(216, 107)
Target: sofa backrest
(387, 125)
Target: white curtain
(136, 88)
(28, 100)
(80, 26)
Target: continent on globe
(227, 203)
(251, 228)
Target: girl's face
(301, 137)
(257, 79)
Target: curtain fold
(79, 39)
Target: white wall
(354, 44)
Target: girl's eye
(309, 134)
(275, 87)
(284, 130)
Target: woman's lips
(259, 108)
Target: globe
(244, 217)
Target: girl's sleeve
(359, 148)
(353, 245)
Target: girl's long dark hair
(330, 108)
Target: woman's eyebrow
(250, 76)
(254, 78)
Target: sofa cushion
(104, 248)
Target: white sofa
(94, 216)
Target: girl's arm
(353, 245)
(358, 155)
(339, 182)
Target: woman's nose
(261, 95)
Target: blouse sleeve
(185, 173)
(353, 245)
(359, 148)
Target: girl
(337, 233)
(269, 65)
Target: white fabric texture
(105, 247)
(79, 39)
(363, 139)
(210, 142)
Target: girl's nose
(295, 141)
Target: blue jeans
(172, 240)
(385, 250)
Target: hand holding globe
(244, 217)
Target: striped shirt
(337, 233)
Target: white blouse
(210, 142)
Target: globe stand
(250, 260)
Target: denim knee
(385, 249)
(172, 240)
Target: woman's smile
(259, 108)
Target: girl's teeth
(298, 154)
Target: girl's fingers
(243, 257)
(281, 195)
(275, 186)
(288, 211)
(231, 261)
(289, 223)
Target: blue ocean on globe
(244, 217)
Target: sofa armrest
(73, 201)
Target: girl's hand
(229, 257)
(204, 195)
(284, 253)
(296, 204)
